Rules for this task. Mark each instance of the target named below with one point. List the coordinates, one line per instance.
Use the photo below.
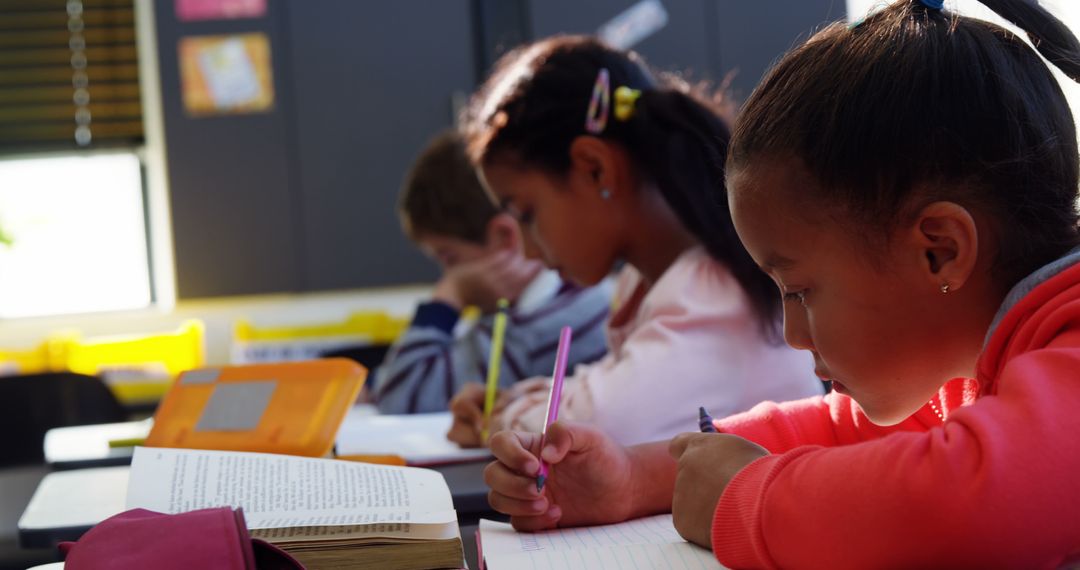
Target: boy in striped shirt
(481, 251)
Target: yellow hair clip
(625, 98)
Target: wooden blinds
(69, 74)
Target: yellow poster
(226, 74)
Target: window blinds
(69, 75)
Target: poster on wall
(192, 10)
(221, 75)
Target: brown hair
(915, 104)
(534, 105)
(442, 194)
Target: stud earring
(944, 287)
(605, 193)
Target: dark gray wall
(369, 93)
(703, 39)
(232, 204)
(302, 198)
(682, 45)
(751, 36)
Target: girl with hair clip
(601, 162)
(910, 183)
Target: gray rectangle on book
(202, 376)
(236, 406)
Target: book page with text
(280, 491)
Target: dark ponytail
(1048, 34)
(915, 104)
(533, 106)
(680, 142)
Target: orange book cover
(293, 408)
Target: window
(75, 235)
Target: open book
(649, 542)
(326, 513)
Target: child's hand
(467, 409)
(519, 389)
(503, 274)
(707, 462)
(589, 478)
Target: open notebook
(326, 513)
(649, 542)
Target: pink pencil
(553, 398)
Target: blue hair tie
(934, 4)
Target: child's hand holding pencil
(467, 409)
(590, 478)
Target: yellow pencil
(127, 442)
(382, 459)
(497, 335)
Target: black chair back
(32, 404)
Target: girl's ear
(592, 165)
(503, 232)
(948, 240)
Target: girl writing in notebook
(910, 183)
(602, 162)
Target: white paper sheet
(650, 542)
(419, 438)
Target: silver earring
(944, 287)
(605, 193)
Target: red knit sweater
(992, 484)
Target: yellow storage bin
(45, 357)
(138, 368)
(305, 342)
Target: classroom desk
(468, 543)
(90, 481)
(79, 447)
(67, 503)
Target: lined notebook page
(649, 542)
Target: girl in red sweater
(910, 183)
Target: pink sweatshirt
(962, 483)
(690, 340)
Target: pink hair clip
(596, 118)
